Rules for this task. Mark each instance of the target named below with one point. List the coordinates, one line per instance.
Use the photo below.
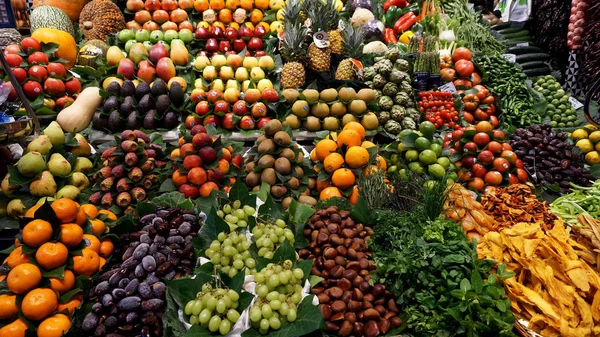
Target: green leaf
(58, 272)
(264, 191)
(300, 213)
(363, 214)
(501, 305)
(465, 285)
(271, 209)
(212, 227)
(17, 179)
(284, 252)
(240, 192)
(594, 170)
(476, 281)
(167, 186)
(173, 199)
(68, 295)
(314, 280)
(185, 289)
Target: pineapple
(319, 58)
(333, 33)
(293, 51)
(353, 44)
(292, 13)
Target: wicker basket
(13, 131)
(521, 327)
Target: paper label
(511, 57)
(448, 87)
(209, 16)
(239, 15)
(523, 44)
(575, 103)
(321, 40)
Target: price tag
(511, 57)
(523, 44)
(321, 40)
(575, 103)
(448, 87)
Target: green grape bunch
(269, 237)
(235, 215)
(279, 290)
(230, 253)
(214, 309)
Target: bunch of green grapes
(231, 253)
(279, 290)
(269, 236)
(214, 309)
(235, 216)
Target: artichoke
(398, 113)
(392, 127)
(401, 98)
(378, 94)
(384, 67)
(383, 117)
(401, 64)
(405, 86)
(413, 113)
(379, 81)
(410, 104)
(392, 54)
(369, 83)
(396, 76)
(385, 103)
(369, 73)
(408, 123)
(390, 89)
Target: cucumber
(501, 25)
(537, 71)
(517, 34)
(510, 30)
(514, 42)
(533, 65)
(518, 50)
(532, 57)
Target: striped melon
(51, 17)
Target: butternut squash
(78, 115)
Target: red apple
(207, 153)
(73, 86)
(32, 89)
(211, 46)
(157, 52)
(262, 122)
(202, 108)
(240, 108)
(237, 160)
(202, 33)
(270, 95)
(196, 129)
(255, 43)
(245, 33)
(56, 69)
(38, 57)
(230, 33)
(247, 123)
(224, 46)
(13, 60)
(239, 45)
(20, 74)
(217, 32)
(54, 86)
(30, 43)
(260, 31)
(39, 73)
(211, 120)
(227, 121)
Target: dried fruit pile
(462, 207)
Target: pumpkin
(71, 7)
(78, 115)
(50, 17)
(67, 48)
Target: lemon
(276, 26)
(592, 158)
(594, 137)
(416, 167)
(444, 161)
(422, 143)
(436, 171)
(280, 15)
(585, 145)
(411, 155)
(427, 157)
(597, 146)
(579, 134)
(590, 128)
(437, 149)
(276, 4)
(339, 5)
(402, 147)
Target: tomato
(476, 78)
(480, 115)
(468, 117)
(461, 53)
(482, 92)
(488, 100)
(471, 102)
(464, 68)
(462, 83)
(448, 74)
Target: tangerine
(66, 284)
(87, 263)
(356, 126)
(39, 304)
(217, 5)
(16, 257)
(324, 148)
(322, 184)
(98, 227)
(65, 209)
(92, 242)
(201, 5)
(102, 263)
(353, 198)
(109, 215)
(367, 144)
(261, 4)
(476, 184)
(70, 305)
(31, 212)
(356, 157)
(54, 326)
(343, 178)
(333, 162)
(349, 138)
(71, 234)
(106, 248)
(51, 255)
(85, 211)
(8, 306)
(330, 192)
(23, 278)
(37, 232)
(14, 329)
(247, 4)
(382, 162)
(484, 126)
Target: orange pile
(51, 247)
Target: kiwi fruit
(300, 108)
(300, 157)
(288, 153)
(312, 183)
(293, 183)
(347, 94)
(291, 95)
(260, 138)
(311, 95)
(331, 123)
(304, 199)
(299, 172)
(320, 110)
(253, 179)
(286, 202)
(292, 121)
(266, 161)
(282, 138)
(337, 109)
(283, 166)
(272, 127)
(349, 118)
(268, 176)
(357, 106)
(249, 167)
(328, 95)
(369, 121)
(278, 191)
(266, 146)
(366, 94)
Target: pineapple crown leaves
(377, 8)
(292, 14)
(332, 15)
(318, 21)
(352, 41)
(292, 43)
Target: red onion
(577, 22)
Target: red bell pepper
(398, 3)
(390, 36)
(408, 23)
(401, 22)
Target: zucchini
(532, 57)
(501, 25)
(518, 50)
(537, 71)
(533, 65)
(514, 42)
(515, 35)
(510, 30)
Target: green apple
(148, 45)
(186, 35)
(142, 35)
(156, 35)
(128, 45)
(170, 35)
(126, 35)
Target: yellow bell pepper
(406, 36)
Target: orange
(324, 147)
(64, 285)
(333, 162)
(51, 255)
(86, 211)
(484, 126)
(261, 4)
(106, 248)
(37, 232)
(356, 157)
(102, 263)
(349, 138)
(31, 212)
(225, 16)
(322, 184)
(247, 4)
(367, 144)
(232, 4)
(313, 155)
(8, 306)
(23, 278)
(70, 305)
(54, 326)
(217, 5)
(65, 209)
(98, 226)
(16, 258)
(109, 215)
(2, 277)
(39, 303)
(382, 162)
(256, 15)
(71, 234)
(92, 242)
(330, 192)
(87, 263)
(356, 126)
(343, 178)
(353, 198)
(200, 5)
(14, 329)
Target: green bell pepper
(391, 16)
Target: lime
(394, 158)
(402, 147)
(453, 176)
(422, 143)
(427, 157)
(436, 148)
(584, 144)
(429, 184)
(416, 167)
(427, 129)
(403, 174)
(594, 137)
(411, 155)
(444, 161)
(592, 158)
(436, 171)
(438, 140)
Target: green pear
(68, 191)
(31, 164)
(6, 187)
(44, 186)
(58, 165)
(55, 133)
(79, 180)
(16, 208)
(84, 148)
(83, 164)
(41, 144)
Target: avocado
(150, 121)
(100, 121)
(159, 87)
(127, 89)
(141, 90)
(114, 121)
(132, 121)
(146, 104)
(170, 120)
(114, 88)
(126, 107)
(176, 94)
(110, 104)
(162, 103)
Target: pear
(6, 187)
(68, 191)
(84, 148)
(58, 165)
(83, 164)
(15, 208)
(79, 180)
(31, 164)
(55, 133)
(41, 144)
(44, 186)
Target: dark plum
(129, 303)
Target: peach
(197, 176)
